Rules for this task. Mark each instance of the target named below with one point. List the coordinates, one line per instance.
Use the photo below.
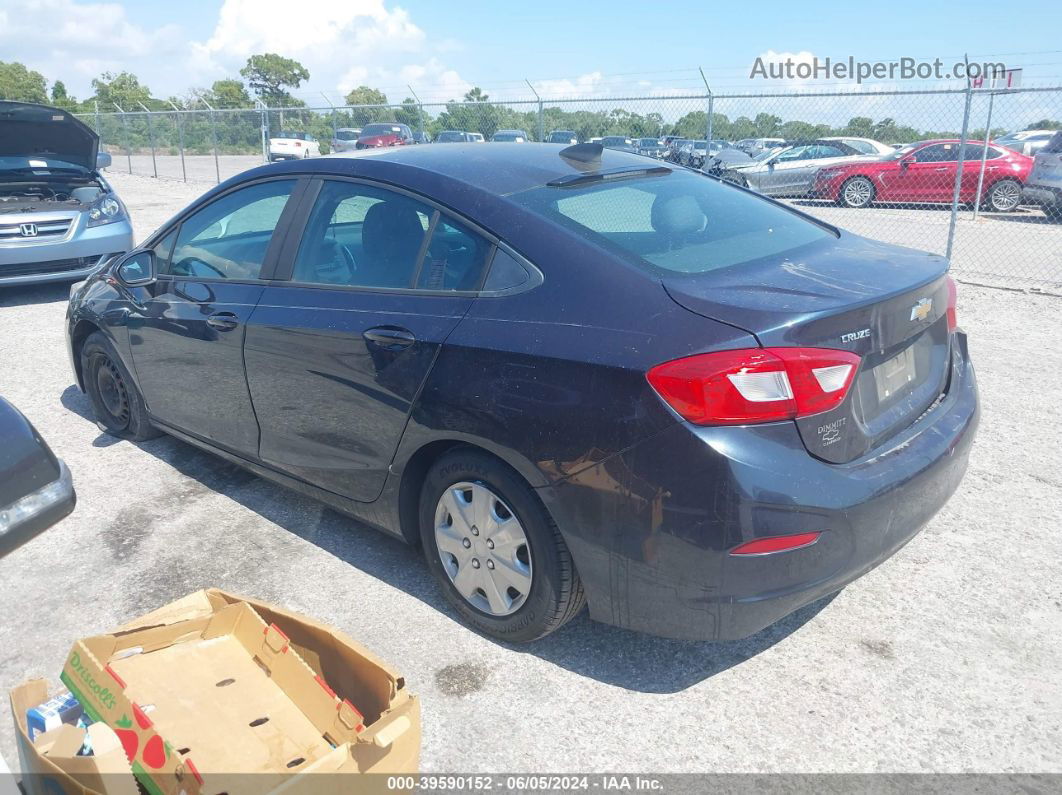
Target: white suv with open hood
(59, 219)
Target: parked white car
(866, 146)
(293, 145)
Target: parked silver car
(1044, 185)
(1026, 142)
(346, 139)
(59, 218)
(791, 171)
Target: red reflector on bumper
(764, 546)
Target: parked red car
(386, 134)
(925, 172)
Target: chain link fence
(958, 198)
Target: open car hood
(39, 131)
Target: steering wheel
(351, 262)
(184, 266)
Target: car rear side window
(676, 222)
(363, 236)
(229, 237)
(1054, 146)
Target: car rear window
(380, 129)
(679, 222)
(346, 135)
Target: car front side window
(229, 237)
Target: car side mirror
(137, 269)
(905, 162)
(36, 489)
(103, 160)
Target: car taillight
(953, 302)
(767, 546)
(751, 385)
(298, 144)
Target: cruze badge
(920, 311)
(852, 336)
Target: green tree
(122, 89)
(229, 94)
(362, 96)
(61, 99)
(766, 124)
(270, 76)
(475, 94)
(21, 84)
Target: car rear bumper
(66, 260)
(1041, 194)
(651, 529)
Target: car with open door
(572, 375)
(59, 217)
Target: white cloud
(75, 41)
(342, 44)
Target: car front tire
(498, 556)
(856, 192)
(116, 401)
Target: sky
(440, 48)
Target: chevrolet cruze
(574, 376)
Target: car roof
(499, 168)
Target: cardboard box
(50, 764)
(217, 693)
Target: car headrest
(677, 215)
(391, 233)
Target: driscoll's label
(88, 684)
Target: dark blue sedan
(573, 375)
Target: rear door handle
(944, 168)
(223, 321)
(389, 338)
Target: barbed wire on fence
(958, 208)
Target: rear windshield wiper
(609, 175)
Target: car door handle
(943, 168)
(389, 337)
(223, 321)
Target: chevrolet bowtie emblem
(920, 311)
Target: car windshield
(615, 140)
(561, 137)
(346, 135)
(676, 222)
(700, 144)
(648, 142)
(508, 136)
(301, 136)
(380, 129)
(38, 163)
(450, 136)
(767, 153)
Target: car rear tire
(116, 401)
(513, 578)
(857, 192)
(1004, 196)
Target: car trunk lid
(885, 303)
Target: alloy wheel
(858, 192)
(483, 548)
(1005, 196)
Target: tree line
(271, 78)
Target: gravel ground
(946, 658)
